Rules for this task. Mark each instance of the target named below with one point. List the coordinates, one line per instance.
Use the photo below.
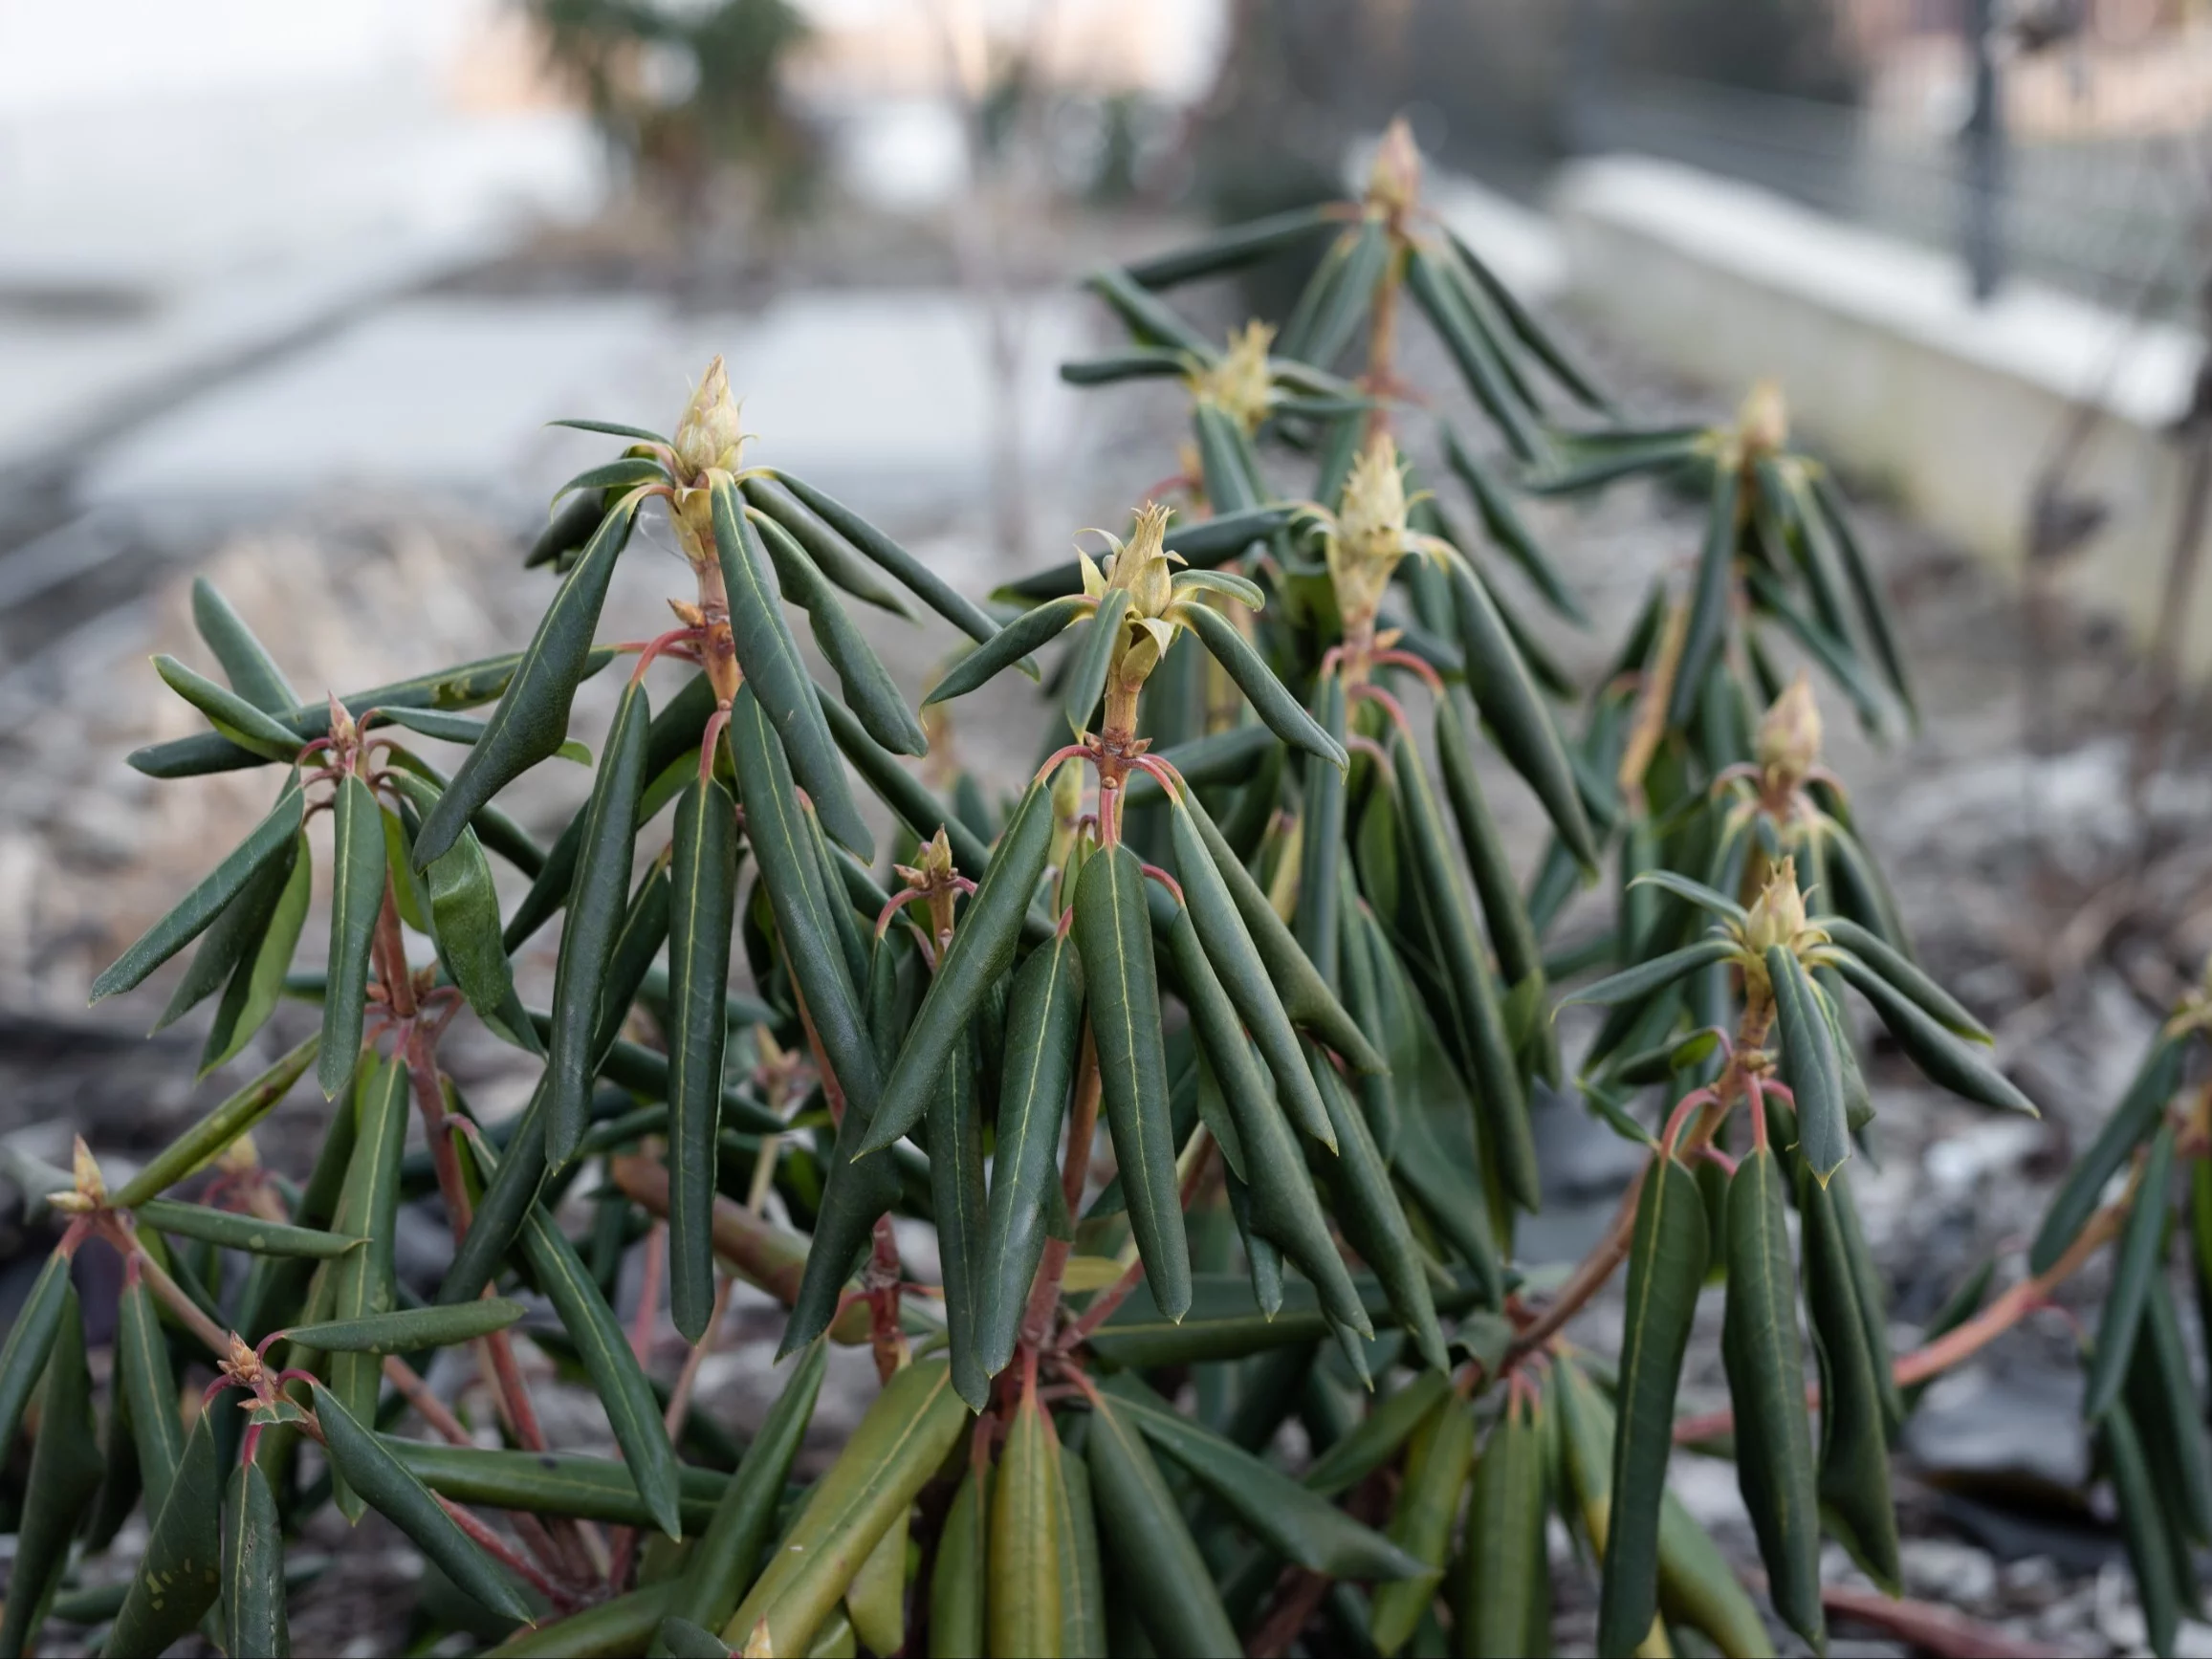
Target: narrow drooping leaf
(957, 1201)
(2126, 1129)
(1485, 1048)
(1321, 837)
(235, 936)
(1854, 1466)
(1438, 1461)
(1155, 1562)
(1044, 1035)
(977, 958)
(1499, 679)
(206, 1140)
(197, 911)
(1505, 526)
(1632, 985)
(253, 674)
(721, 1568)
(702, 911)
(1304, 995)
(776, 832)
(180, 1575)
(1014, 641)
(357, 895)
(2161, 1397)
(1229, 250)
(1292, 1520)
(65, 1475)
(254, 1616)
(1766, 1363)
(1711, 598)
(959, 1585)
(256, 983)
(1113, 933)
(1284, 1210)
(532, 720)
(234, 716)
(597, 903)
(1941, 1057)
(893, 1452)
(247, 1232)
(2143, 1523)
(1667, 1260)
(1505, 1600)
(1512, 935)
(148, 1385)
(362, 1282)
(775, 676)
(917, 577)
(1082, 1633)
(1243, 973)
(1277, 709)
(1090, 656)
(2142, 1246)
(633, 1411)
(1026, 1506)
(563, 1483)
(1809, 1065)
(1375, 1222)
(408, 1330)
(1906, 977)
(409, 1505)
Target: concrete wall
(1893, 373)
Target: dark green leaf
(926, 583)
(1766, 1363)
(1941, 1057)
(1809, 1065)
(1436, 1468)
(1634, 984)
(1043, 1034)
(1498, 676)
(956, 1200)
(1009, 646)
(981, 949)
(206, 1140)
(1090, 656)
(1113, 931)
(1229, 250)
(180, 1575)
(2130, 1124)
(1506, 1608)
(1711, 602)
(2142, 1523)
(597, 905)
(2142, 1245)
(409, 1330)
(247, 1232)
(373, 1472)
(247, 664)
(362, 1282)
(1667, 1261)
(959, 1583)
(1151, 320)
(1854, 1467)
(1157, 1563)
(270, 840)
(357, 896)
(254, 1621)
(722, 1567)
(532, 720)
(1275, 706)
(1293, 1521)
(701, 915)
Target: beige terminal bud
(1239, 386)
(1788, 742)
(1370, 529)
(1395, 180)
(709, 435)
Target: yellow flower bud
(1395, 180)
(1238, 385)
(1777, 916)
(1141, 566)
(1787, 743)
(1370, 529)
(708, 434)
(1763, 421)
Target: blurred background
(288, 295)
